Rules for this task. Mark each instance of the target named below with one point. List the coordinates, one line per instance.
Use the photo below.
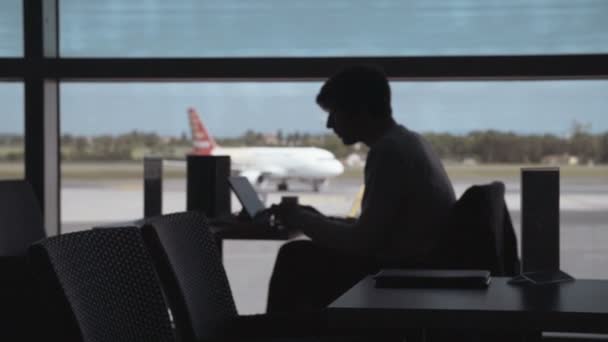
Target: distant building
(354, 160)
(560, 159)
(469, 161)
(270, 139)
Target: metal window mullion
(290, 69)
(52, 179)
(42, 108)
(588, 66)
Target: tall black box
(153, 186)
(540, 219)
(207, 185)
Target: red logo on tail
(202, 142)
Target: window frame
(41, 69)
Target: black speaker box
(207, 185)
(540, 219)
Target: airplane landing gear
(317, 184)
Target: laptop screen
(246, 194)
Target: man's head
(355, 98)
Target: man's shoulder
(392, 150)
(399, 140)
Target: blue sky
(228, 109)
(191, 28)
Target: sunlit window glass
(237, 28)
(11, 130)
(11, 28)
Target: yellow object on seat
(355, 209)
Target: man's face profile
(344, 124)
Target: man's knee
(296, 254)
(295, 248)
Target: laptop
(402, 278)
(247, 195)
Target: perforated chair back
(191, 269)
(108, 284)
(21, 222)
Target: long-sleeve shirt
(407, 197)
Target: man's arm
(330, 232)
(364, 236)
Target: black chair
(21, 224)
(195, 281)
(21, 221)
(480, 234)
(100, 285)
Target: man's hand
(263, 217)
(310, 209)
(293, 215)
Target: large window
(11, 28)
(108, 128)
(486, 126)
(237, 28)
(483, 130)
(11, 130)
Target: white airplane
(261, 164)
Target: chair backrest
(21, 222)
(480, 234)
(104, 284)
(192, 272)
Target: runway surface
(584, 222)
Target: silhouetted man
(407, 196)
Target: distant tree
(14, 156)
(603, 148)
(335, 145)
(280, 137)
(582, 143)
(67, 139)
(250, 138)
(490, 146)
(80, 146)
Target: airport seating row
(163, 281)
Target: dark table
(232, 227)
(579, 306)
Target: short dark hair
(356, 86)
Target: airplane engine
(254, 177)
(261, 181)
(317, 184)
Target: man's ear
(364, 113)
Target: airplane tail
(202, 142)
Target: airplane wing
(254, 176)
(258, 176)
(274, 171)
